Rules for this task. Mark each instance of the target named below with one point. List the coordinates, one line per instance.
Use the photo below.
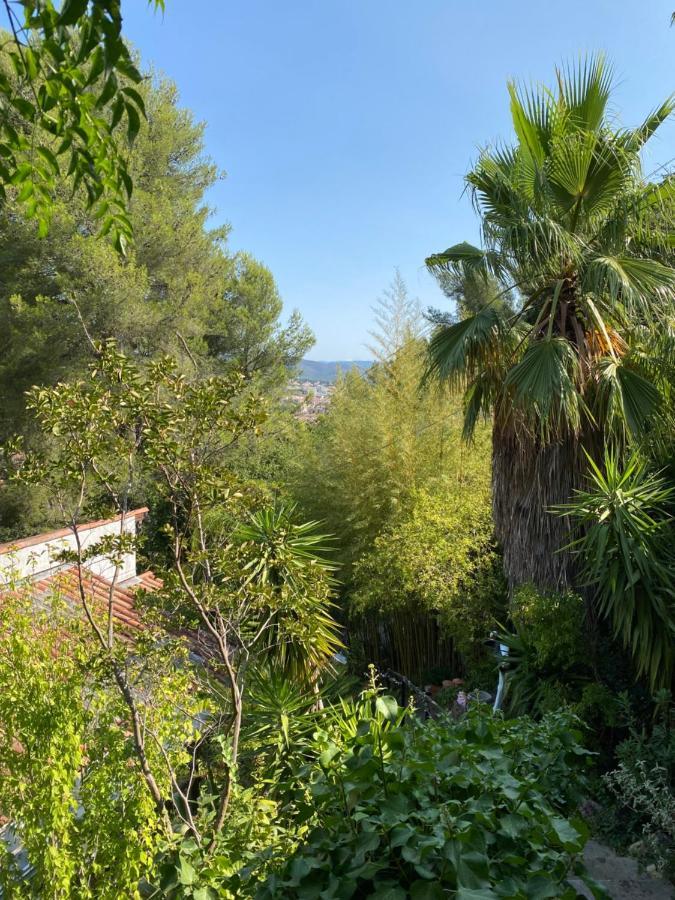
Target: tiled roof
(149, 581)
(65, 532)
(65, 583)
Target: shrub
(436, 560)
(398, 808)
(640, 793)
(554, 622)
(627, 556)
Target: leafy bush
(535, 689)
(554, 622)
(436, 559)
(398, 808)
(85, 820)
(227, 869)
(639, 799)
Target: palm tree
(570, 224)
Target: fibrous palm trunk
(529, 477)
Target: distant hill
(318, 370)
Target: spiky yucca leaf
(627, 552)
(283, 562)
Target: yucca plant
(570, 224)
(285, 560)
(281, 717)
(627, 553)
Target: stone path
(621, 877)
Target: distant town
(310, 393)
(310, 399)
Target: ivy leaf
(203, 893)
(567, 834)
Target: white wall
(38, 559)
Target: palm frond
(460, 351)
(466, 258)
(635, 139)
(541, 245)
(636, 283)
(587, 174)
(544, 385)
(630, 400)
(530, 114)
(585, 90)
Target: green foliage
(71, 785)
(626, 551)
(241, 594)
(470, 292)
(532, 688)
(436, 558)
(178, 292)
(380, 440)
(71, 81)
(402, 808)
(549, 665)
(554, 623)
(386, 470)
(245, 330)
(239, 854)
(638, 812)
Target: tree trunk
(528, 478)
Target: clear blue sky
(345, 126)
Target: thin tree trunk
(528, 479)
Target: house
(34, 563)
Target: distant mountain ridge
(320, 370)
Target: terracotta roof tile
(126, 615)
(148, 581)
(97, 591)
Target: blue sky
(345, 126)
